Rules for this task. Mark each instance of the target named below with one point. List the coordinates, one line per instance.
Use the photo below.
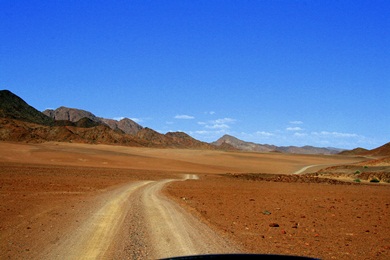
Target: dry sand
(75, 201)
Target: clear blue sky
(277, 72)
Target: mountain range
(249, 146)
(22, 122)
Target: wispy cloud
(218, 126)
(296, 128)
(184, 117)
(222, 123)
(300, 134)
(263, 133)
(210, 112)
(226, 120)
(296, 122)
(335, 134)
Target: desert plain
(83, 201)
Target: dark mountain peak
(12, 106)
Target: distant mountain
(249, 146)
(242, 145)
(356, 151)
(171, 139)
(383, 150)
(308, 150)
(13, 107)
(126, 125)
(21, 122)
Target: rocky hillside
(21, 122)
(126, 125)
(12, 106)
(307, 150)
(249, 146)
(356, 151)
(242, 145)
(383, 150)
(171, 139)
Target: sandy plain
(78, 201)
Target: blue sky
(277, 72)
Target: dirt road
(137, 222)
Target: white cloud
(225, 120)
(210, 112)
(263, 133)
(119, 118)
(297, 122)
(294, 128)
(335, 134)
(300, 134)
(184, 117)
(218, 126)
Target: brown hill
(70, 114)
(12, 106)
(126, 125)
(383, 150)
(242, 145)
(172, 140)
(21, 122)
(307, 150)
(356, 151)
(249, 146)
(21, 131)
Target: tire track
(173, 231)
(94, 237)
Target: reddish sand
(48, 190)
(315, 219)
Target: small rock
(274, 225)
(283, 232)
(266, 212)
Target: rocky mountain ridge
(253, 147)
(126, 125)
(21, 122)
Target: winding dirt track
(155, 226)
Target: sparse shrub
(357, 180)
(357, 172)
(374, 180)
(365, 166)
